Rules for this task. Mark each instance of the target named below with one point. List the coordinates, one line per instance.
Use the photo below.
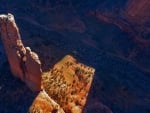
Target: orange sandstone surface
(62, 89)
(44, 104)
(68, 83)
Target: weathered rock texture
(68, 83)
(24, 63)
(44, 104)
(122, 59)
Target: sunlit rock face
(44, 104)
(68, 83)
(24, 63)
(101, 33)
(65, 88)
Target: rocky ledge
(62, 89)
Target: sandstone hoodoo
(65, 87)
(24, 63)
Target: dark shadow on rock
(15, 96)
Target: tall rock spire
(24, 63)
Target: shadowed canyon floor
(122, 80)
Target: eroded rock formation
(44, 104)
(24, 63)
(65, 87)
(68, 83)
